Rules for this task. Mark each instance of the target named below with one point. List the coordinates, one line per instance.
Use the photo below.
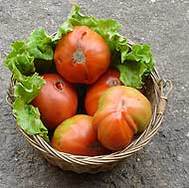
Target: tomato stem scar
(59, 85)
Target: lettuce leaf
(29, 88)
(20, 61)
(138, 63)
(40, 45)
(28, 118)
(63, 30)
(131, 74)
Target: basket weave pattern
(154, 90)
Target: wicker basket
(156, 89)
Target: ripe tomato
(109, 79)
(56, 101)
(122, 112)
(82, 56)
(76, 135)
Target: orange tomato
(76, 135)
(109, 79)
(122, 112)
(56, 101)
(82, 56)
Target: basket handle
(166, 87)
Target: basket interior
(80, 164)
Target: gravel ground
(164, 162)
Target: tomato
(109, 79)
(82, 56)
(76, 135)
(122, 112)
(56, 101)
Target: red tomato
(76, 135)
(109, 79)
(122, 112)
(82, 56)
(56, 101)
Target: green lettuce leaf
(19, 60)
(28, 118)
(40, 45)
(131, 73)
(63, 30)
(138, 63)
(29, 88)
(141, 52)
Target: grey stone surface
(164, 162)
